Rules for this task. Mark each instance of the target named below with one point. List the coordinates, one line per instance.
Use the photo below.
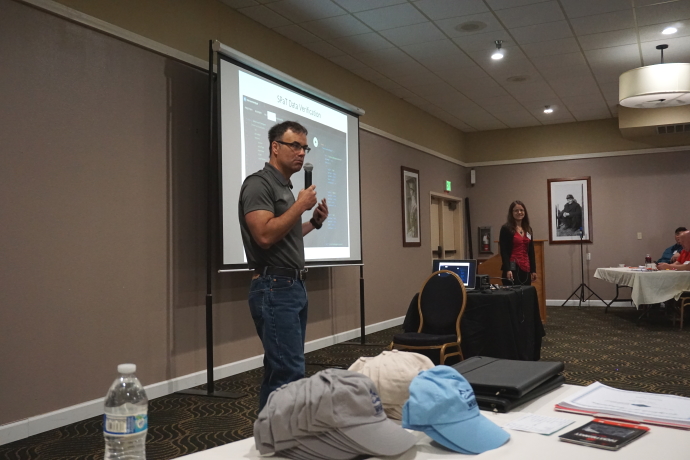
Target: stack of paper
(602, 401)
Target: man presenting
(273, 238)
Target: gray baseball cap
(333, 414)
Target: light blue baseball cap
(442, 405)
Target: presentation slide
(250, 105)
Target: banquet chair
(440, 305)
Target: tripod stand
(582, 286)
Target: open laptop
(465, 269)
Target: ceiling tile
(485, 41)
(574, 86)
(368, 74)
(510, 105)
(432, 88)
(532, 93)
(603, 22)
(301, 11)
(391, 16)
(385, 57)
(297, 34)
(528, 15)
(354, 6)
(591, 99)
(678, 51)
(324, 49)
(356, 44)
(579, 8)
(486, 125)
(419, 79)
(348, 62)
(416, 33)
(436, 48)
(663, 12)
(575, 71)
(478, 90)
(503, 4)
(339, 26)
(442, 9)
(616, 59)
(492, 101)
(560, 60)
(653, 32)
(608, 39)
(582, 114)
(264, 16)
(469, 73)
(398, 90)
(551, 47)
(541, 32)
(410, 67)
(239, 3)
(449, 25)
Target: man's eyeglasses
(296, 146)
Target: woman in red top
(517, 247)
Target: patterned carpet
(612, 348)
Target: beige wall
(188, 25)
(557, 140)
(630, 194)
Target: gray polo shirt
(269, 190)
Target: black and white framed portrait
(410, 207)
(570, 210)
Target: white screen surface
(250, 105)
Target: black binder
(506, 378)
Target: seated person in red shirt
(683, 261)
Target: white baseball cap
(392, 372)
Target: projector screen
(250, 103)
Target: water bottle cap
(127, 368)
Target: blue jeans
(279, 308)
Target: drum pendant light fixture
(655, 86)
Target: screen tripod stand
(581, 288)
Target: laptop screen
(465, 269)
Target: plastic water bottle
(125, 421)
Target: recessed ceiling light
(548, 109)
(498, 54)
(669, 31)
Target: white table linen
(648, 287)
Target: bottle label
(123, 425)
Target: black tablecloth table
(502, 323)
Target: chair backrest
(441, 303)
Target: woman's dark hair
(525, 220)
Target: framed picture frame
(484, 240)
(570, 210)
(410, 207)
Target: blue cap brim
(439, 438)
(475, 435)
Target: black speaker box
(482, 282)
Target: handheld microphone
(308, 167)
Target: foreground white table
(659, 443)
(648, 287)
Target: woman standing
(517, 248)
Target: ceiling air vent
(671, 129)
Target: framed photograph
(485, 240)
(410, 207)
(570, 210)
